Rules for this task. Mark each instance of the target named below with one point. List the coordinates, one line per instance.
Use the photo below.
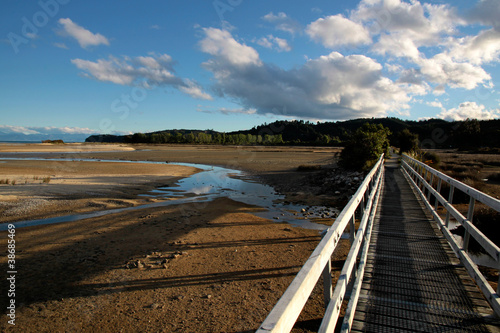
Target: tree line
(431, 133)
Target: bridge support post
(327, 282)
(450, 201)
(470, 216)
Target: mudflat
(198, 267)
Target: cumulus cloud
(221, 44)
(337, 30)
(329, 87)
(469, 110)
(283, 22)
(83, 36)
(272, 42)
(442, 69)
(145, 71)
(483, 48)
(486, 12)
(404, 29)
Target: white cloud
(33, 130)
(222, 45)
(194, 90)
(483, 48)
(277, 43)
(329, 87)
(469, 110)
(337, 30)
(436, 104)
(146, 71)
(486, 12)
(283, 22)
(83, 36)
(442, 69)
(7, 129)
(227, 111)
(61, 45)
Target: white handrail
(414, 172)
(285, 313)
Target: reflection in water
(207, 185)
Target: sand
(200, 267)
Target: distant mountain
(40, 137)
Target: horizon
(232, 65)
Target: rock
(276, 218)
(154, 306)
(303, 210)
(179, 297)
(287, 229)
(139, 264)
(207, 296)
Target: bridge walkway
(413, 282)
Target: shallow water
(211, 183)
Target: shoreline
(146, 269)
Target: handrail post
(430, 183)
(352, 226)
(470, 216)
(450, 201)
(438, 190)
(327, 282)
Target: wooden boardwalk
(413, 282)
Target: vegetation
(365, 146)
(55, 142)
(405, 134)
(408, 142)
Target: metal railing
(285, 313)
(423, 178)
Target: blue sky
(86, 67)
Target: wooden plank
(491, 296)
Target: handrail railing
(422, 177)
(285, 313)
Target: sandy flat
(199, 267)
(67, 147)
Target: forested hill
(433, 133)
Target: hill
(432, 133)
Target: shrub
(365, 146)
(431, 159)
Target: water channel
(210, 183)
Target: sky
(83, 67)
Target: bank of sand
(205, 267)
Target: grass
(494, 177)
(488, 221)
(7, 181)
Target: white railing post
(415, 179)
(450, 201)
(470, 216)
(327, 282)
(430, 183)
(285, 313)
(438, 190)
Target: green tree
(365, 146)
(408, 141)
(468, 134)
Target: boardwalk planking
(413, 280)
